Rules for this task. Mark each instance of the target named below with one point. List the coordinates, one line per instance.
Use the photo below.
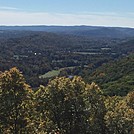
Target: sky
(117, 13)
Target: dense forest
(115, 77)
(66, 80)
(36, 53)
(64, 106)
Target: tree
(71, 106)
(15, 102)
(120, 115)
(62, 104)
(96, 108)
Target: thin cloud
(43, 18)
(8, 8)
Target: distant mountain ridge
(89, 31)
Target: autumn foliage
(64, 106)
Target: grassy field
(50, 74)
(54, 73)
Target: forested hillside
(117, 77)
(64, 106)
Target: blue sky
(67, 12)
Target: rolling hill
(90, 31)
(117, 77)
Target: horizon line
(34, 25)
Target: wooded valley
(66, 80)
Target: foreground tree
(120, 115)
(65, 106)
(15, 103)
(96, 108)
(70, 106)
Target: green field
(50, 74)
(54, 73)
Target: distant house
(17, 57)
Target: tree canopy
(64, 106)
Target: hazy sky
(67, 12)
